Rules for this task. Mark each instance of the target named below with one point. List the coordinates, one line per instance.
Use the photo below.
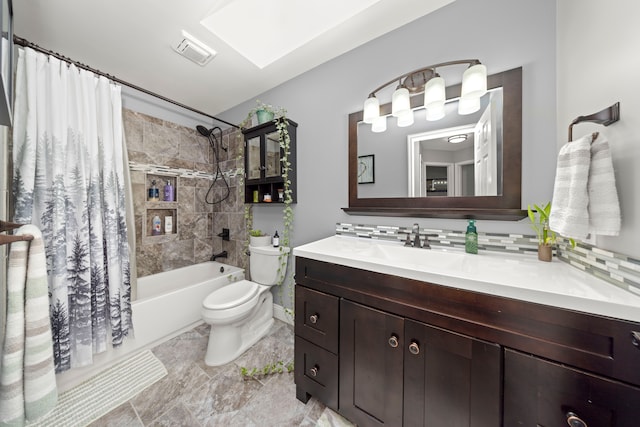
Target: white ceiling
(134, 39)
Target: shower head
(204, 131)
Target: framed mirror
(462, 166)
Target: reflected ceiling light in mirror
(468, 105)
(474, 85)
(435, 113)
(405, 119)
(456, 139)
(379, 124)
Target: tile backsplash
(617, 269)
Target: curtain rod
(23, 42)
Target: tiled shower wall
(152, 141)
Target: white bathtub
(167, 305)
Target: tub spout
(222, 254)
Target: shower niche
(263, 156)
(160, 207)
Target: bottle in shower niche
(276, 240)
(471, 238)
(156, 226)
(154, 193)
(168, 192)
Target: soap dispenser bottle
(168, 192)
(154, 194)
(471, 238)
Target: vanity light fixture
(456, 139)
(427, 80)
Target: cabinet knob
(314, 371)
(574, 421)
(313, 318)
(393, 341)
(414, 348)
(635, 339)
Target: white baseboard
(280, 314)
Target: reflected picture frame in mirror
(505, 205)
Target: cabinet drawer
(316, 372)
(541, 393)
(317, 318)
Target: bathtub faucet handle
(224, 234)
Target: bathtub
(168, 304)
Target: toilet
(240, 313)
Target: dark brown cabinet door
(546, 394)
(371, 348)
(450, 379)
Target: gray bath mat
(106, 391)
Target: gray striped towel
(569, 209)
(585, 200)
(27, 380)
(604, 207)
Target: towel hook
(603, 117)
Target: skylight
(265, 31)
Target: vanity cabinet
(263, 165)
(395, 371)
(413, 353)
(316, 346)
(542, 393)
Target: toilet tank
(265, 263)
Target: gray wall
(598, 65)
(503, 34)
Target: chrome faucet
(416, 238)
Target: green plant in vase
(547, 238)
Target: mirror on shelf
(462, 166)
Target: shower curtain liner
(69, 180)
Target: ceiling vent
(194, 49)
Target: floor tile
(178, 416)
(228, 392)
(196, 395)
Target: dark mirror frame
(506, 206)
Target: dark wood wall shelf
(263, 166)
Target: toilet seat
(232, 295)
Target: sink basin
(419, 258)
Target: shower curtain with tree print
(68, 180)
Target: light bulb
(434, 92)
(371, 109)
(474, 81)
(400, 102)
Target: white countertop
(516, 276)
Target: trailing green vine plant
(269, 369)
(280, 120)
(284, 139)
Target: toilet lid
(231, 295)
